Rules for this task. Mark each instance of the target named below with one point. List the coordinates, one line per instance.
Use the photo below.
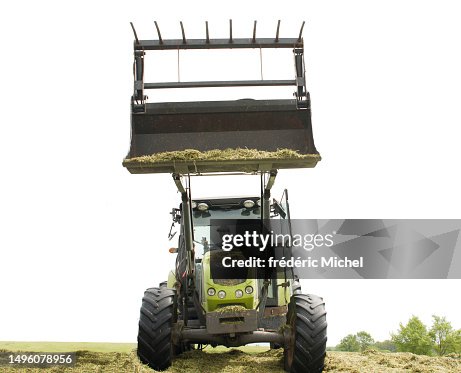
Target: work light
(202, 206)
(248, 204)
(249, 290)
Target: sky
(81, 238)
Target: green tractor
(197, 306)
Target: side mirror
(278, 210)
(176, 215)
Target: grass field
(67, 346)
(121, 357)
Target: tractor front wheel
(308, 334)
(158, 310)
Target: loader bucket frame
(263, 125)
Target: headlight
(239, 293)
(211, 292)
(221, 294)
(248, 290)
(248, 204)
(202, 206)
(193, 204)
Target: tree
(442, 335)
(349, 343)
(386, 345)
(365, 340)
(413, 337)
(457, 341)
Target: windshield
(202, 220)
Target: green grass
(67, 346)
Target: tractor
(206, 300)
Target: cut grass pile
(219, 155)
(254, 359)
(232, 308)
(230, 361)
(374, 361)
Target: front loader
(205, 300)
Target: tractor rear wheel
(308, 327)
(158, 312)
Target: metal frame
(175, 44)
(267, 181)
(187, 221)
(202, 336)
(266, 195)
(217, 84)
(141, 46)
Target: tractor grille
(228, 282)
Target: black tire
(158, 312)
(307, 348)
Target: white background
(81, 238)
